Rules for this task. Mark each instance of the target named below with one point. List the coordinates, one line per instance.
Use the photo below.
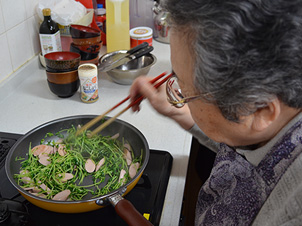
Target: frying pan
(123, 207)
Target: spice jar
(88, 75)
(138, 35)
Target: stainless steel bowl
(126, 73)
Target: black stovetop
(147, 196)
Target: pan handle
(127, 211)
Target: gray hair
(247, 52)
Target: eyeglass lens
(174, 94)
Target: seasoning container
(138, 35)
(101, 17)
(49, 34)
(88, 75)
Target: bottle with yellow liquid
(117, 25)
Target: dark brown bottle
(49, 33)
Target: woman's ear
(264, 117)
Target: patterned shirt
(241, 181)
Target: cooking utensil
(129, 58)
(127, 73)
(98, 118)
(136, 101)
(115, 58)
(126, 131)
(130, 51)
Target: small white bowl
(42, 60)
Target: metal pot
(123, 207)
(161, 28)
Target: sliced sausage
(66, 177)
(61, 149)
(115, 136)
(62, 196)
(44, 160)
(45, 188)
(133, 169)
(90, 165)
(99, 165)
(42, 148)
(32, 189)
(25, 179)
(39, 194)
(126, 145)
(127, 156)
(122, 176)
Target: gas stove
(147, 196)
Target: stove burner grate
(13, 213)
(7, 140)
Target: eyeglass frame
(183, 100)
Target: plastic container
(138, 35)
(100, 10)
(88, 75)
(101, 17)
(117, 25)
(85, 21)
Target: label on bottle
(89, 82)
(50, 42)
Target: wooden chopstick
(138, 100)
(98, 118)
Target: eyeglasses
(174, 94)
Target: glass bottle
(49, 34)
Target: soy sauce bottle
(49, 33)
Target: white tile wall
(2, 27)
(19, 37)
(5, 59)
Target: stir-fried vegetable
(76, 166)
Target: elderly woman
(238, 68)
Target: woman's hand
(158, 100)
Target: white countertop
(27, 102)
